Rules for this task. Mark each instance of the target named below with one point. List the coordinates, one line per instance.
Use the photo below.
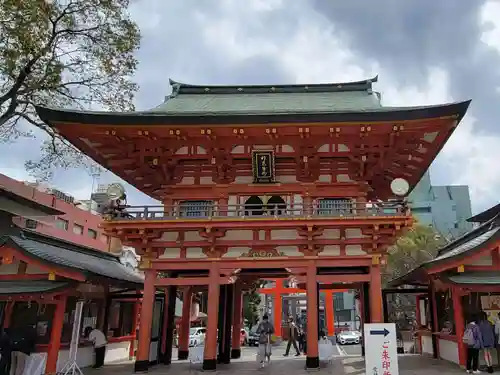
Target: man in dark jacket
(23, 344)
(292, 338)
(5, 352)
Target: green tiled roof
(30, 286)
(278, 99)
(489, 278)
(270, 103)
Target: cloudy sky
(425, 52)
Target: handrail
(187, 211)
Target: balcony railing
(252, 211)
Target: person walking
(292, 338)
(265, 330)
(497, 335)
(98, 340)
(488, 337)
(473, 340)
(301, 339)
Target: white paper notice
(381, 352)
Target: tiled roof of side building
(477, 278)
(8, 287)
(464, 246)
(474, 233)
(89, 262)
(485, 215)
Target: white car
(197, 336)
(349, 337)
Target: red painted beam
(254, 243)
(344, 278)
(190, 281)
(229, 222)
(284, 262)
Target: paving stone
(341, 365)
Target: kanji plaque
(263, 166)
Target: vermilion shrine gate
(260, 182)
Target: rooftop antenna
(112, 198)
(95, 173)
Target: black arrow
(381, 332)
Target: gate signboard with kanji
(381, 357)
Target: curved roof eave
(52, 115)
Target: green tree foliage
(418, 245)
(251, 302)
(63, 53)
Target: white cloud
(490, 20)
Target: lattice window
(195, 208)
(334, 206)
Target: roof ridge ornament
(176, 87)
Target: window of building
(90, 313)
(121, 319)
(195, 208)
(421, 210)
(69, 319)
(92, 233)
(77, 229)
(31, 224)
(41, 316)
(335, 206)
(342, 316)
(62, 224)
(444, 307)
(338, 301)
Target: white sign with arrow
(381, 354)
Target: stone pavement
(408, 365)
(341, 365)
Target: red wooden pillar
(435, 320)
(55, 336)
(9, 307)
(185, 324)
(278, 307)
(137, 309)
(329, 314)
(419, 323)
(312, 360)
(210, 353)
(148, 301)
(237, 322)
(164, 326)
(458, 314)
(376, 306)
